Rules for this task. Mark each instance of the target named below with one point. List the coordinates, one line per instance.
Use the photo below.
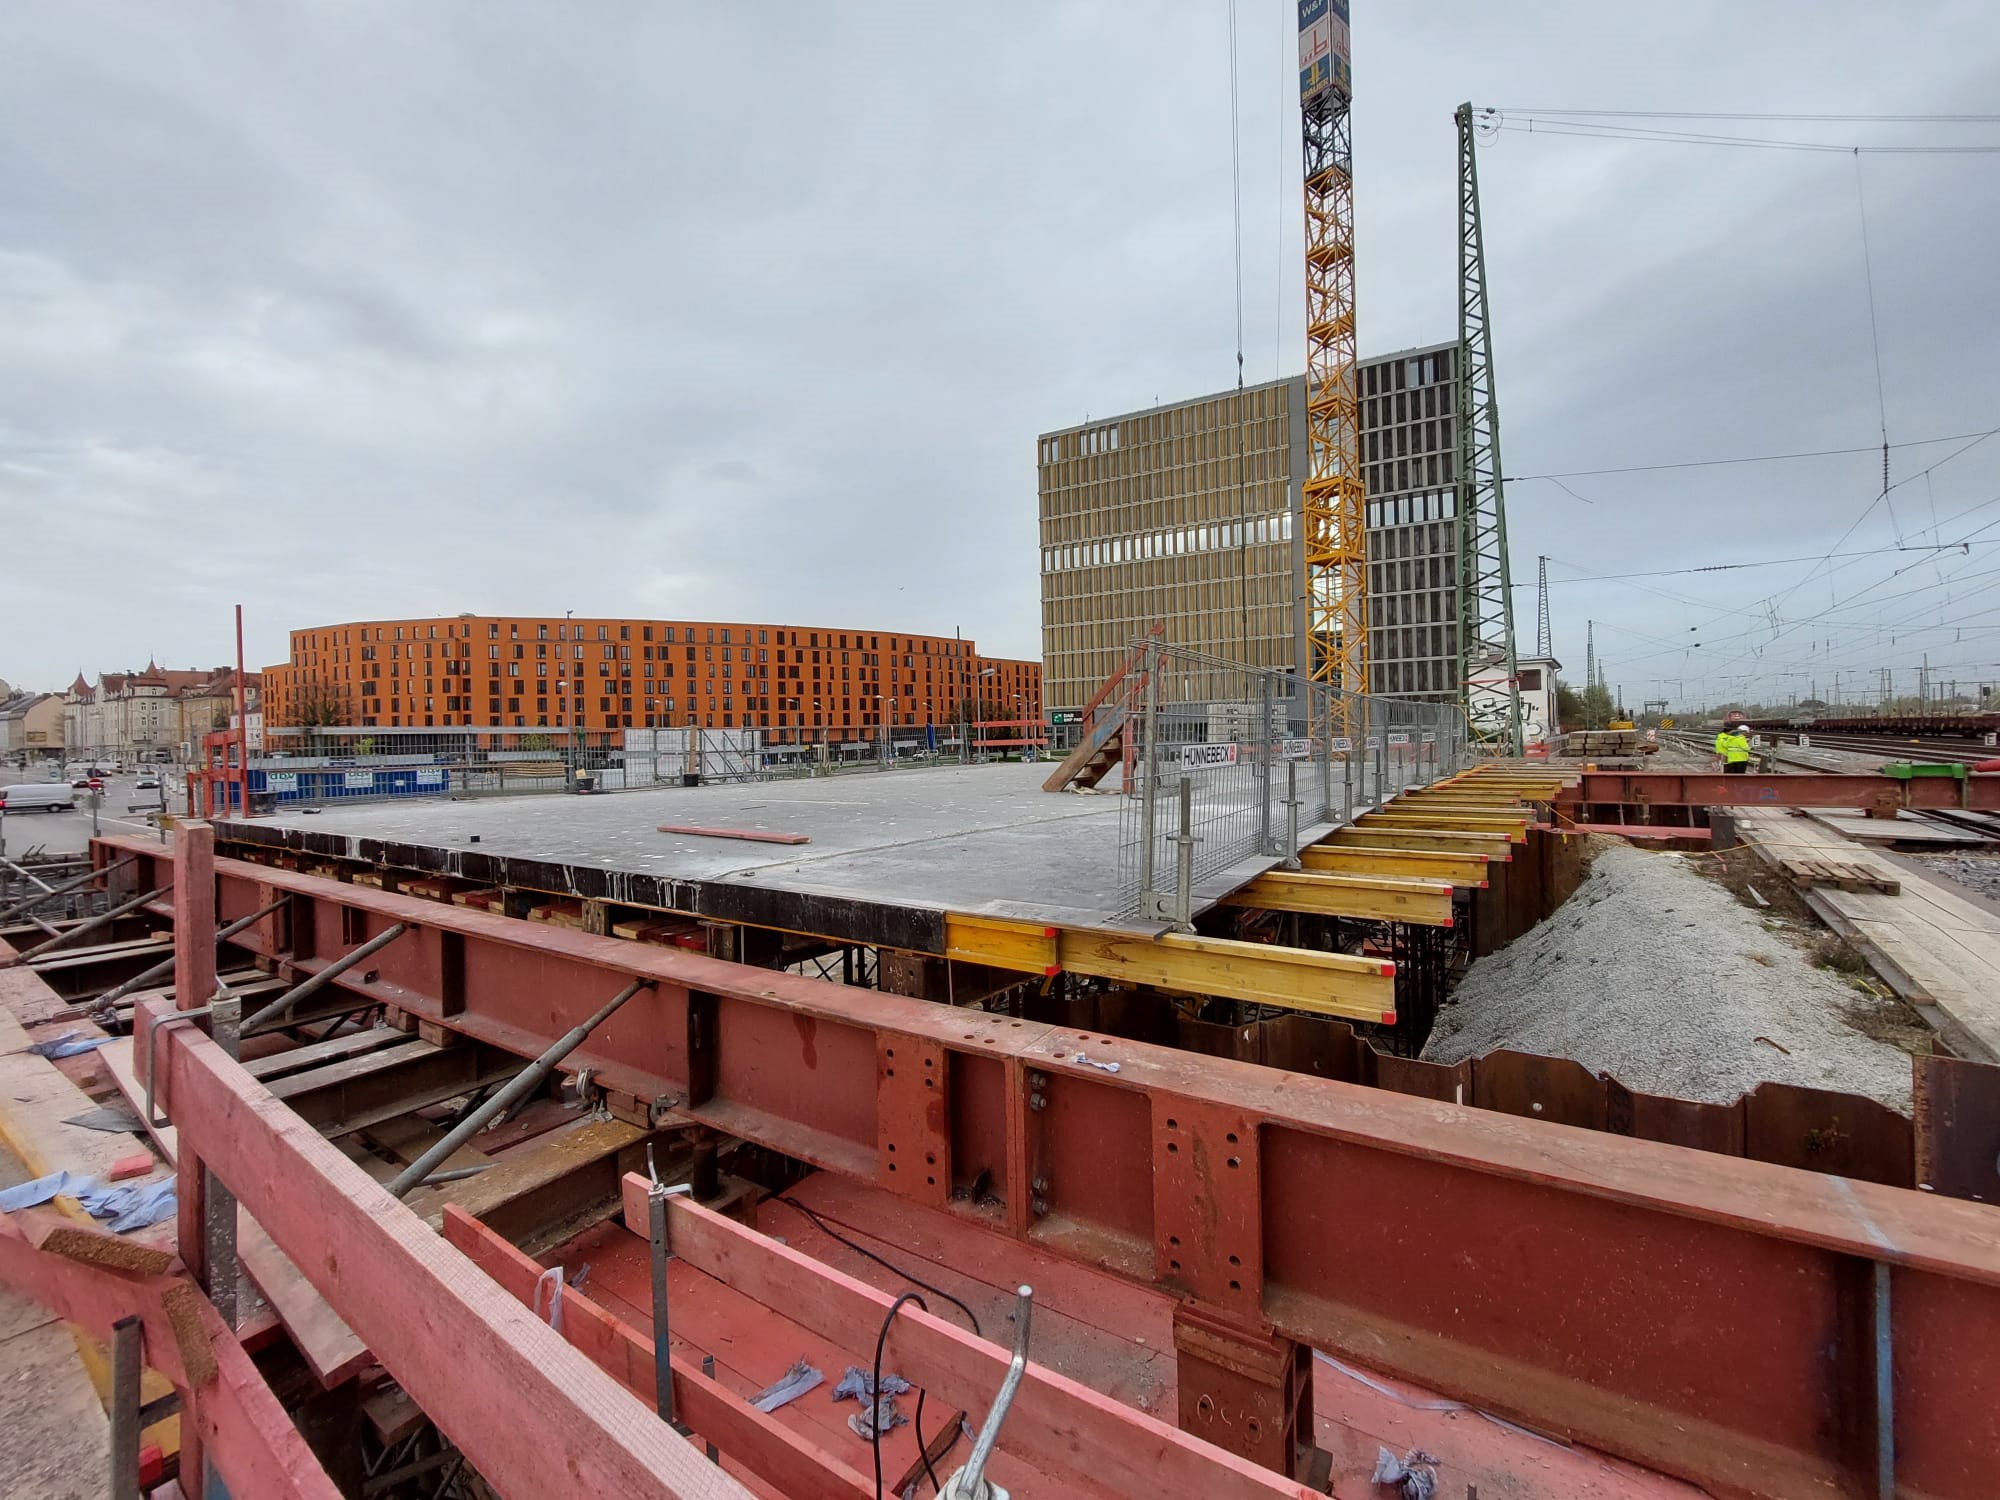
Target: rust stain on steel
(808, 1030)
(1840, 1134)
(1957, 1124)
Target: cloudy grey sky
(382, 308)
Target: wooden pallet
(1842, 874)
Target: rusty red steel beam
(227, 1411)
(539, 1413)
(1815, 789)
(1709, 1316)
(785, 1458)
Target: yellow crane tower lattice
(1334, 504)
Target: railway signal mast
(1334, 510)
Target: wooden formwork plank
(1372, 898)
(1513, 830)
(1494, 845)
(1465, 870)
(1334, 984)
(1330, 984)
(321, 1336)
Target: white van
(37, 796)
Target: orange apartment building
(509, 673)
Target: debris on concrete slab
(1662, 979)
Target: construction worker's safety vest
(1732, 747)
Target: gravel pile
(1659, 977)
(1978, 873)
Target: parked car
(34, 796)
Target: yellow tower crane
(1334, 505)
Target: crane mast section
(1333, 502)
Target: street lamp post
(566, 708)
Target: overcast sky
(364, 310)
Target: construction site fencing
(1227, 764)
(320, 766)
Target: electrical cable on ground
(923, 1448)
(874, 1394)
(828, 1230)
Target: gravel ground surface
(1978, 873)
(1661, 978)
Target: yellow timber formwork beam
(1371, 898)
(1466, 871)
(1494, 845)
(1514, 830)
(1486, 812)
(1326, 984)
(1503, 795)
(1548, 785)
(1516, 793)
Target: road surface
(69, 832)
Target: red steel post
(242, 723)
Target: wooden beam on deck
(1448, 820)
(1467, 871)
(1427, 902)
(1327, 984)
(1492, 845)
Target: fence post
(1148, 779)
(1291, 814)
(1325, 758)
(1382, 760)
(1183, 914)
(1267, 787)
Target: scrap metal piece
(788, 1387)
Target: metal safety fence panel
(320, 766)
(1228, 764)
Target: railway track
(1938, 752)
(1941, 752)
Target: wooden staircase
(1106, 718)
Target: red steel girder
(1820, 789)
(1712, 1317)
